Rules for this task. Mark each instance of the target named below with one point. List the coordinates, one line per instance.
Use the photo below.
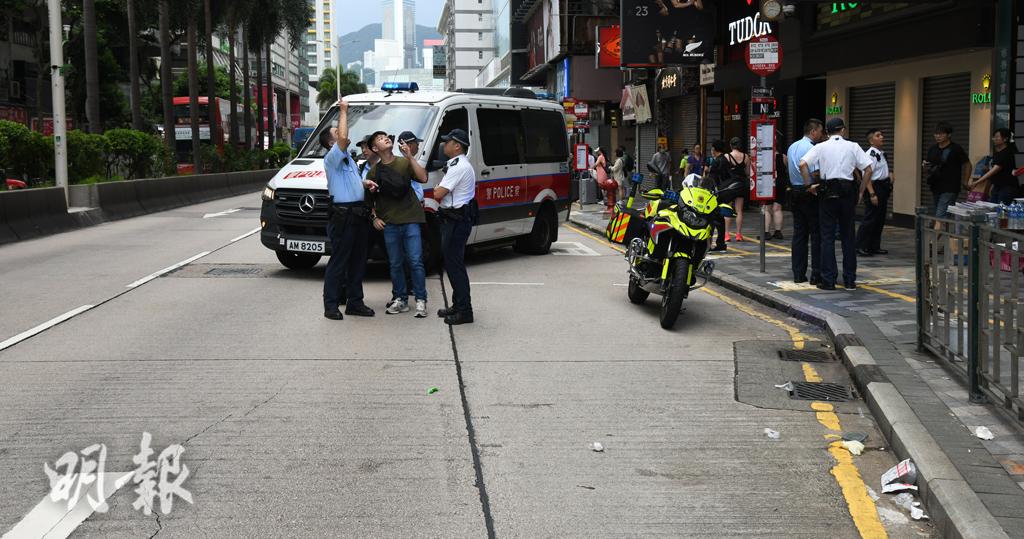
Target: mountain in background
(354, 44)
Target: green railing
(970, 311)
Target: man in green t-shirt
(398, 214)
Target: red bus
(183, 128)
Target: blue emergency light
(392, 87)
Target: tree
(328, 90)
(222, 83)
(92, 76)
(236, 11)
(193, 91)
(133, 63)
(165, 75)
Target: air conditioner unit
(15, 90)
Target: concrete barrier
(7, 234)
(119, 200)
(241, 183)
(31, 213)
(160, 194)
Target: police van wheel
(297, 261)
(538, 241)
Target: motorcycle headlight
(692, 219)
(268, 194)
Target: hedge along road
(51, 276)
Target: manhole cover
(821, 391)
(812, 356)
(233, 272)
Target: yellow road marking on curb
(855, 492)
(798, 338)
(885, 292)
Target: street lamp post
(57, 80)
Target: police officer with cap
(347, 226)
(837, 160)
(455, 195)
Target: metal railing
(970, 311)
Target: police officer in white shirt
(455, 194)
(837, 160)
(869, 236)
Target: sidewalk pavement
(970, 487)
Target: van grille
(293, 221)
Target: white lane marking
(168, 269)
(43, 327)
(220, 213)
(506, 284)
(246, 235)
(619, 284)
(572, 248)
(52, 520)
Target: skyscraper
(400, 25)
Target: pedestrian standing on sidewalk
(684, 167)
(740, 169)
(1005, 186)
(718, 171)
(804, 204)
(605, 183)
(696, 161)
(838, 160)
(869, 236)
(946, 168)
(773, 210)
(347, 225)
(659, 165)
(398, 214)
(455, 196)
(619, 172)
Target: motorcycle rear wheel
(636, 294)
(672, 301)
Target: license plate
(305, 246)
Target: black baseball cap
(458, 135)
(365, 141)
(835, 124)
(408, 136)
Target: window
(479, 17)
(501, 136)
(453, 119)
(479, 55)
(480, 36)
(545, 129)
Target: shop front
(679, 109)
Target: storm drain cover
(234, 271)
(821, 391)
(812, 356)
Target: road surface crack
(159, 526)
(272, 397)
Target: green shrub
(131, 152)
(86, 156)
(23, 152)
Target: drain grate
(233, 272)
(821, 391)
(811, 356)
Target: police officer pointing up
(837, 159)
(455, 194)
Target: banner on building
(657, 33)
(609, 47)
(626, 105)
(641, 103)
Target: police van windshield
(366, 119)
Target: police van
(518, 147)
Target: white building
(400, 26)
(320, 52)
(467, 27)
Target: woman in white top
(619, 172)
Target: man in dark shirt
(946, 168)
(1005, 186)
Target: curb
(954, 507)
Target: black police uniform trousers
(348, 228)
(838, 203)
(456, 226)
(869, 235)
(806, 231)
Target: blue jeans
(404, 245)
(942, 203)
(1003, 195)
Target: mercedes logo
(307, 203)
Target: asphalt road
(294, 425)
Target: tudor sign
(764, 55)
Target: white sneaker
(396, 306)
(421, 308)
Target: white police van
(518, 148)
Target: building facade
(467, 28)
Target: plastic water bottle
(1004, 217)
(1017, 210)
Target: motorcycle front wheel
(636, 294)
(672, 301)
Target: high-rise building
(400, 26)
(467, 28)
(321, 51)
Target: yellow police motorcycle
(668, 259)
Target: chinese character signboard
(656, 33)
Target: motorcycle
(668, 258)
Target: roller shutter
(685, 125)
(712, 120)
(647, 144)
(946, 98)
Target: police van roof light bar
(392, 87)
